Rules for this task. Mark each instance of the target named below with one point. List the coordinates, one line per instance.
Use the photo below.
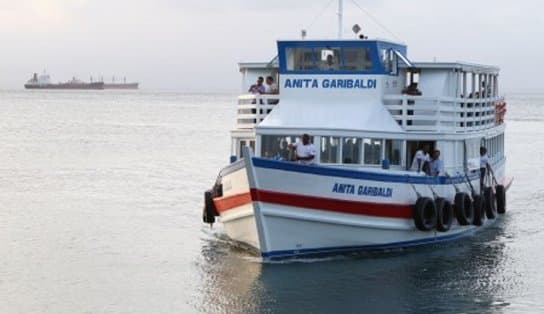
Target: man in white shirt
(270, 87)
(305, 151)
(420, 158)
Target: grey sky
(190, 45)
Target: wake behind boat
(372, 115)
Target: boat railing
(252, 109)
(443, 114)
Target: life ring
(463, 209)
(444, 214)
(500, 194)
(209, 211)
(479, 210)
(425, 214)
(490, 203)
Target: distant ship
(43, 81)
(124, 85)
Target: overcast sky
(194, 45)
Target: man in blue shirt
(437, 165)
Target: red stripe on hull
(229, 202)
(335, 205)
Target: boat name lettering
(331, 83)
(362, 190)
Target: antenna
(340, 17)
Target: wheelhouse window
(300, 59)
(351, 148)
(373, 151)
(329, 58)
(356, 59)
(277, 146)
(329, 150)
(393, 151)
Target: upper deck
(368, 86)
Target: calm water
(100, 206)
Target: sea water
(100, 212)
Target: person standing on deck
(437, 165)
(484, 166)
(304, 152)
(257, 88)
(420, 158)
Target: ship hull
(92, 86)
(288, 209)
(120, 85)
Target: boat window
(301, 58)
(276, 146)
(351, 147)
(356, 59)
(393, 149)
(329, 149)
(329, 58)
(385, 60)
(373, 151)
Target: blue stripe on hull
(360, 174)
(362, 248)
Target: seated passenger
(437, 165)
(305, 151)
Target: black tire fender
(425, 214)
(500, 194)
(464, 211)
(209, 211)
(479, 210)
(444, 214)
(490, 203)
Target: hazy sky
(194, 45)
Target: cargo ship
(43, 81)
(123, 85)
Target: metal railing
(442, 114)
(252, 109)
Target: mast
(340, 17)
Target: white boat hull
(286, 209)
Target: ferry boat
(368, 110)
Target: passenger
(305, 151)
(437, 165)
(271, 88)
(484, 165)
(257, 88)
(420, 159)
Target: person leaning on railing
(271, 88)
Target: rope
(320, 14)
(365, 11)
